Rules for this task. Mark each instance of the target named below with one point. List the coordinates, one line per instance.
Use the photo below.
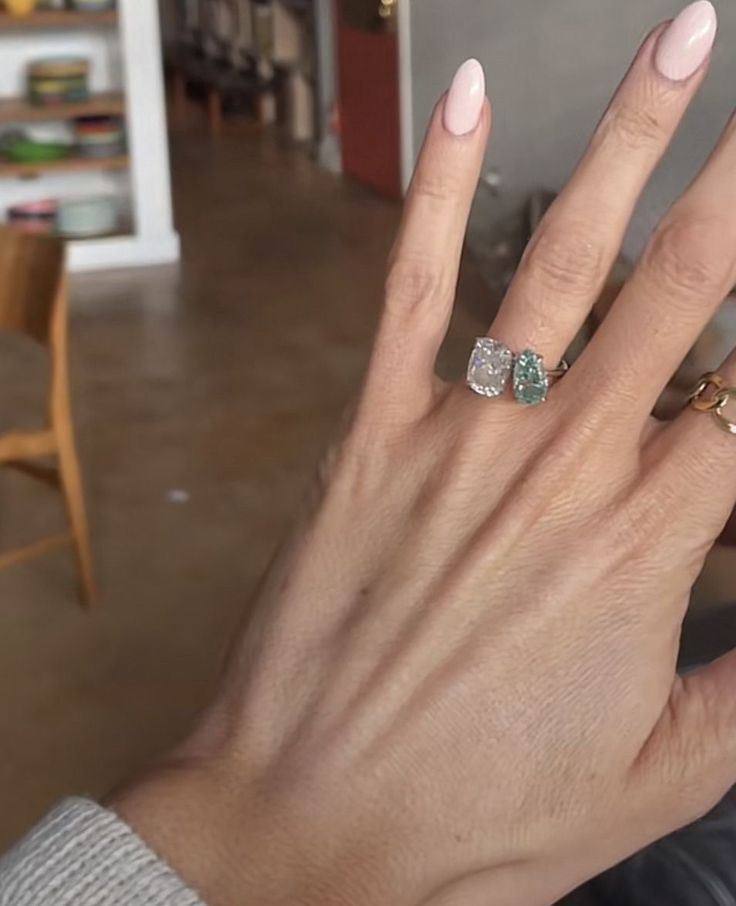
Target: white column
(143, 75)
(155, 240)
(406, 98)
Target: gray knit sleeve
(83, 855)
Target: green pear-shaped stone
(531, 383)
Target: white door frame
(406, 98)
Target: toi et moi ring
(492, 365)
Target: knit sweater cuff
(83, 855)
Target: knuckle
(709, 735)
(631, 126)
(695, 744)
(412, 283)
(686, 256)
(638, 520)
(565, 258)
(436, 185)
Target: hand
(457, 683)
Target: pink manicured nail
(465, 99)
(687, 41)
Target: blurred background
(224, 179)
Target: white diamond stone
(489, 370)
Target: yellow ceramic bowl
(20, 7)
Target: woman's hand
(457, 684)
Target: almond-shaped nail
(687, 41)
(465, 99)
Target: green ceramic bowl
(28, 152)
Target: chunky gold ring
(712, 394)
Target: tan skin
(457, 685)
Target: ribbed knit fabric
(83, 855)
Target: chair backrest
(31, 272)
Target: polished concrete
(203, 397)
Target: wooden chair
(33, 302)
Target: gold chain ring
(713, 395)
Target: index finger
(424, 265)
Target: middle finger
(569, 259)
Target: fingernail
(688, 40)
(465, 99)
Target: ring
(532, 380)
(712, 394)
(492, 365)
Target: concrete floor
(221, 379)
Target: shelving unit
(123, 46)
(19, 110)
(49, 18)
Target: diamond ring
(492, 365)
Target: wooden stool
(33, 301)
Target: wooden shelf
(122, 232)
(53, 18)
(19, 110)
(10, 170)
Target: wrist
(234, 844)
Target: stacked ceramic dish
(93, 6)
(21, 147)
(38, 217)
(58, 80)
(99, 136)
(83, 218)
(72, 218)
(29, 151)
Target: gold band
(713, 394)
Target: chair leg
(71, 486)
